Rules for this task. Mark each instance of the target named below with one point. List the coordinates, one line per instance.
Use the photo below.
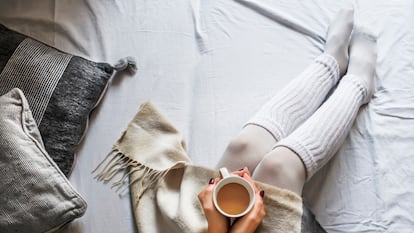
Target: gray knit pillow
(35, 196)
(61, 90)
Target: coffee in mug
(233, 195)
(233, 198)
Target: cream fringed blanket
(164, 184)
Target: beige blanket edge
(163, 183)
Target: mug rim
(238, 180)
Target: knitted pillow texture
(61, 90)
(35, 196)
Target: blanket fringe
(116, 162)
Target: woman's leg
(294, 103)
(297, 157)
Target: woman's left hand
(252, 220)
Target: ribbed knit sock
(318, 138)
(299, 99)
(302, 96)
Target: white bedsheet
(210, 64)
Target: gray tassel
(127, 64)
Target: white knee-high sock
(303, 95)
(318, 138)
(299, 99)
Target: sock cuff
(302, 152)
(354, 82)
(268, 124)
(365, 33)
(329, 62)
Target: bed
(209, 65)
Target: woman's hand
(217, 223)
(250, 222)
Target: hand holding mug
(236, 186)
(233, 195)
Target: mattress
(210, 65)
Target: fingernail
(262, 193)
(211, 181)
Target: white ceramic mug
(236, 193)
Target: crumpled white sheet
(209, 65)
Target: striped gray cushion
(35, 196)
(61, 90)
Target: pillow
(35, 196)
(61, 89)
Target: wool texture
(297, 101)
(164, 184)
(317, 140)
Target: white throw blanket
(164, 184)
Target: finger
(258, 208)
(207, 193)
(217, 180)
(252, 220)
(247, 171)
(257, 212)
(211, 183)
(241, 172)
(251, 181)
(210, 187)
(238, 173)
